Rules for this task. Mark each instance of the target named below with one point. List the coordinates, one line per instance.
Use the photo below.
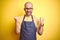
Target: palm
(41, 20)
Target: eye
(28, 8)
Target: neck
(27, 15)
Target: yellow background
(49, 9)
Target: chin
(29, 14)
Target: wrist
(41, 25)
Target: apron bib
(28, 30)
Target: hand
(41, 20)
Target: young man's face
(28, 9)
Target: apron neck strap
(31, 17)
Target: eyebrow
(28, 8)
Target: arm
(40, 31)
(40, 26)
(17, 26)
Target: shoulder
(35, 18)
(36, 21)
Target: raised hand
(41, 21)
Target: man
(28, 25)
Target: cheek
(31, 10)
(25, 10)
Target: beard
(28, 13)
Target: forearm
(17, 30)
(17, 27)
(40, 31)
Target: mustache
(28, 11)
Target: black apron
(28, 30)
